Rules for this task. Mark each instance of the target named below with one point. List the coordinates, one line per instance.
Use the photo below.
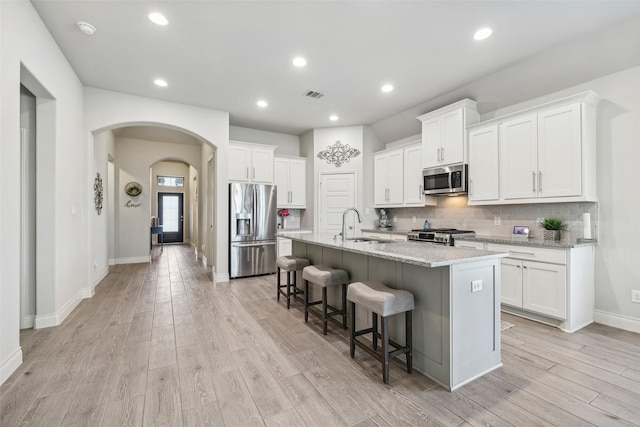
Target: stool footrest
(330, 314)
(363, 332)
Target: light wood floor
(160, 344)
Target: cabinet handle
(442, 154)
(254, 173)
(419, 191)
(247, 173)
(539, 182)
(524, 266)
(471, 187)
(438, 154)
(533, 182)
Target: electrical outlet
(476, 285)
(413, 219)
(635, 296)
(395, 219)
(366, 211)
(497, 220)
(539, 220)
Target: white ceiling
(226, 55)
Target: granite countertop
(375, 230)
(507, 240)
(417, 253)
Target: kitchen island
(456, 322)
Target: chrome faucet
(344, 223)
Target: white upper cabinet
(388, 188)
(444, 140)
(546, 154)
(397, 177)
(413, 192)
(251, 162)
(483, 164)
(290, 175)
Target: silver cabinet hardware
(533, 182)
(539, 182)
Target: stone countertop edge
(558, 244)
(375, 230)
(282, 231)
(416, 253)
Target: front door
(337, 194)
(171, 216)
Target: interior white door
(337, 194)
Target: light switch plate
(497, 220)
(476, 285)
(635, 296)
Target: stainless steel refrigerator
(252, 229)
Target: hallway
(160, 344)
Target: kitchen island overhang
(456, 322)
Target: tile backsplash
(453, 212)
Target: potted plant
(552, 228)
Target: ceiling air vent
(313, 94)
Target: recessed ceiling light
(158, 18)
(387, 88)
(161, 82)
(333, 118)
(86, 28)
(262, 103)
(482, 33)
(299, 61)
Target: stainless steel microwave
(445, 180)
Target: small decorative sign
(338, 153)
(133, 189)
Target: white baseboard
(98, 277)
(88, 292)
(112, 261)
(10, 364)
(220, 277)
(54, 319)
(27, 321)
(133, 260)
(617, 320)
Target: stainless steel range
(442, 236)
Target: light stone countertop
(559, 244)
(375, 230)
(416, 253)
(282, 231)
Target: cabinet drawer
(555, 256)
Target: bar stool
(325, 276)
(382, 301)
(290, 264)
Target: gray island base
(456, 322)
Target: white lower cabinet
(554, 286)
(284, 246)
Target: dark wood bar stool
(290, 264)
(325, 276)
(384, 302)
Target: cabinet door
(518, 158)
(431, 142)
(544, 288)
(559, 152)
(452, 149)
(284, 246)
(380, 174)
(262, 166)
(297, 183)
(281, 180)
(483, 164)
(239, 163)
(412, 191)
(511, 282)
(394, 178)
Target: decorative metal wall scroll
(338, 153)
(97, 188)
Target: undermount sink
(368, 240)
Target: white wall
(287, 144)
(106, 110)
(133, 160)
(103, 148)
(25, 40)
